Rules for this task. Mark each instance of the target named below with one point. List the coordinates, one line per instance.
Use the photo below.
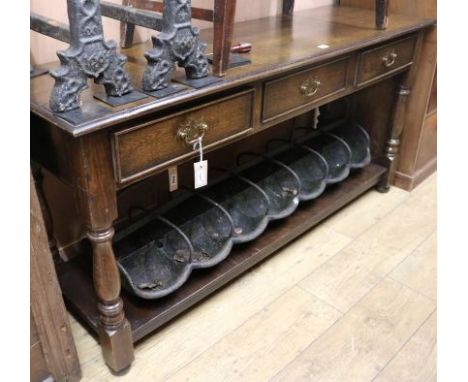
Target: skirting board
(410, 182)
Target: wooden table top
(279, 44)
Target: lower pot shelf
(145, 316)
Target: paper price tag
(200, 173)
(200, 168)
(173, 179)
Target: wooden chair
(53, 354)
(288, 7)
(222, 17)
(381, 11)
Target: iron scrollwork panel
(179, 43)
(88, 56)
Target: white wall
(43, 49)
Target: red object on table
(242, 47)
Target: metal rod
(49, 27)
(88, 56)
(131, 15)
(150, 5)
(128, 14)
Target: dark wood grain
(146, 316)
(432, 104)
(381, 14)
(279, 47)
(141, 150)
(372, 64)
(95, 189)
(398, 120)
(53, 350)
(223, 29)
(418, 154)
(284, 95)
(419, 144)
(325, 42)
(397, 125)
(428, 144)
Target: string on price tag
(200, 168)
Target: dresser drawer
(384, 60)
(149, 147)
(292, 92)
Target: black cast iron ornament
(178, 42)
(88, 56)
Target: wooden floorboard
(416, 362)
(264, 344)
(359, 345)
(419, 270)
(352, 300)
(366, 211)
(349, 275)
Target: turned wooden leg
(96, 192)
(113, 329)
(393, 144)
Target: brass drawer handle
(310, 87)
(389, 59)
(191, 131)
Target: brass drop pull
(389, 59)
(310, 87)
(191, 131)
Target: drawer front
(300, 89)
(384, 60)
(146, 148)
